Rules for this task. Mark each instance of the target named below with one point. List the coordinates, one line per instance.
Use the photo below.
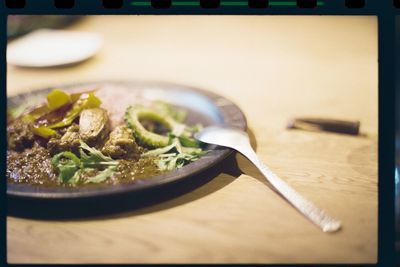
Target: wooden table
(274, 68)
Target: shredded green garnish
(71, 168)
(102, 176)
(95, 159)
(177, 157)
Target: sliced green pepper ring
(66, 154)
(133, 116)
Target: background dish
(49, 48)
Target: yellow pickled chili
(36, 113)
(43, 131)
(91, 101)
(57, 99)
(76, 96)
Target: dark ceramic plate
(203, 107)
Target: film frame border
(117, 4)
(385, 12)
(206, 4)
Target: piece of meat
(121, 144)
(19, 135)
(68, 142)
(94, 126)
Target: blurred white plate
(48, 48)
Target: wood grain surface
(274, 68)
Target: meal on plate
(71, 140)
